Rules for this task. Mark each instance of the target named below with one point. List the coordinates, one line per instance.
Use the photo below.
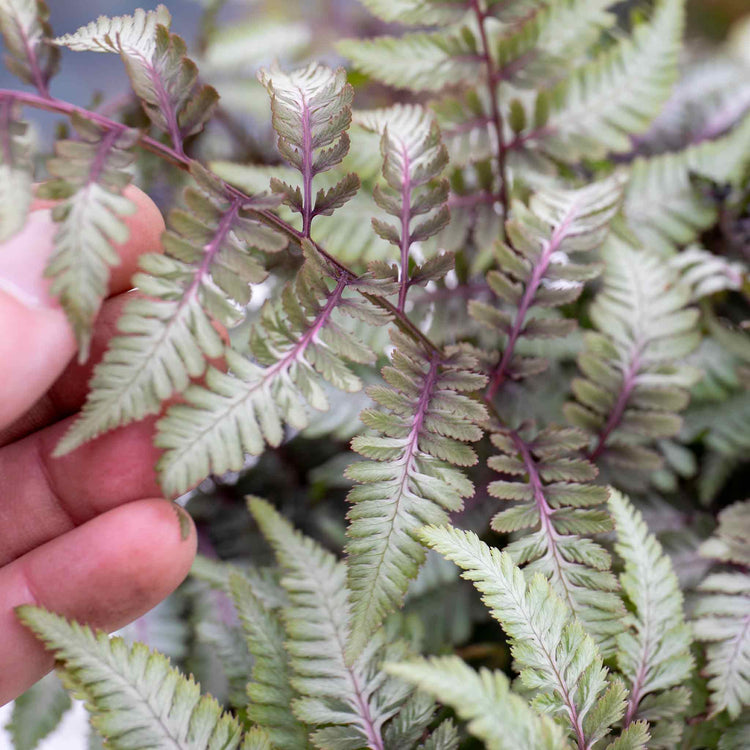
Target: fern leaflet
(16, 172)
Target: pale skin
(87, 535)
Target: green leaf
(16, 173)
(37, 712)
(497, 717)
(635, 737)
(559, 661)
(407, 482)
(92, 170)
(212, 258)
(654, 652)
(137, 700)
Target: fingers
(105, 573)
(36, 341)
(52, 496)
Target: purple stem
(558, 235)
(39, 78)
(405, 234)
(497, 120)
(307, 169)
(628, 383)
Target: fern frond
(16, 173)
(137, 700)
(417, 12)
(257, 739)
(211, 259)
(559, 661)
(162, 76)
(311, 112)
(91, 174)
(634, 384)
(413, 159)
(37, 712)
(602, 104)
(353, 701)
(558, 500)
(635, 737)
(722, 613)
(26, 33)
(654, 652)
(706, 274)
(269, 689)
(535, 269)
(407, 481)
(663, 207)
(296, 342)
(497, 717)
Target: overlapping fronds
(497, 717)
(408, 481)
(556, 500)
(136, 699)
(634, 381)
(722, 612)
(211, 259)
(413, 159)
(653, 652)
(296, 342)
(163, 77)
(16, 173)
(558, 660)
(91, 173)
(707, 274)
(663, 205)
(269, 688)
(26, 34)
(311, 111)
(37, 712)
(601, 105)
(352, 700)
(535, 270)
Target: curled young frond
(349, 702)
(136, 699)
(497, 717)
(535, 270)
(26, 33)
(653, 653)
(634, 382)
(212, 256)
(16, 172)
(722, 612)
(559, 661)
(413, 159)
(162, 76)
(91, 172)
(408, 481)
(556, 500)
(311, 112)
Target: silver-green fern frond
(722, 612)
(162, 76)
(557, 501)
(559, 662)
(136, 699)
(349, 702)
(707, 274)
(535, 270)
(653, 653)
(91, 173)
(497, 717)
(212, 256)
(297, 342)
(16, 172)
(408, 480)
(37, 712)
(634, 382)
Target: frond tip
(137, 700)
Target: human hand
(85, 535)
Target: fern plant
(444, 302)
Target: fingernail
(23, 258)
